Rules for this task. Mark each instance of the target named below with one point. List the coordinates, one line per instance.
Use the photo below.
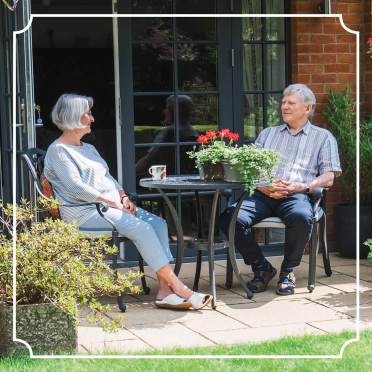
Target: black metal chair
(319, 235)
(34, 159)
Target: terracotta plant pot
(44, 327)
(211, 172)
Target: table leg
(211, 248)
(232, 247)
(177, 224)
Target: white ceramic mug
(158, 172)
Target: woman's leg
(160, 227)
(167, 275)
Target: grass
(357, 357)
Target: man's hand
(280, 189)
(289, 187)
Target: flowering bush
(213, 146)
(56, 264)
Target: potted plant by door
(211, 152)
(341, 116)
(57, 270)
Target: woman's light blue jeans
(147, 231)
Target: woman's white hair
(304, 92)
(68, 110)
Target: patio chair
(34, 159)
(319, 235)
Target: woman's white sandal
(199, 300)
(174, 302)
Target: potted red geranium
(212, 151)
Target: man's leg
(297, 214)
(253, 209)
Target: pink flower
(369, 41)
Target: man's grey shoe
(286, 284)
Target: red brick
(346, 58)
(322, 97)
(309, 48)
(303, 78)
(305, 7)
(346, 78)
(323, 39)
(308, 69)
(352, 48)
(317, 88)
(355, 9)
(338, 67)
(336, 48)
(329, 20)
(313, 28)
(339, 8)
(303, 38)
(323, 78)
(323, 58)
(334, 29)
(303, 58)
(349, 38)
(334, 86)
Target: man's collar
(304, 129)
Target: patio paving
(330, 308)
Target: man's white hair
(304, 92)
(68, 110)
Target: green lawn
(357, 357)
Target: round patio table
(193, 182)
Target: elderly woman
(78, 174)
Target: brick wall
(324, 57)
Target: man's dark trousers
(296, 213)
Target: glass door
(25, 134)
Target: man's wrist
(306, 188)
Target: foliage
(369, 51)
(368, 243)
(365, 160)
(252, 163)
(213, 146)
(56, 264)
(341, 116)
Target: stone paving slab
(340, 325)
(280, 312)
(171, 335)
(254, 335)
(330, 308)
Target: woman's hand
(128, 205)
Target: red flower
(203, 140)
(210, 134)
(223, 133)
(234, 137)
(369, 41)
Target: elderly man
(308, 159)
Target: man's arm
(287, 188)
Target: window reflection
(186, 133)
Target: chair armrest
(316, 197)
